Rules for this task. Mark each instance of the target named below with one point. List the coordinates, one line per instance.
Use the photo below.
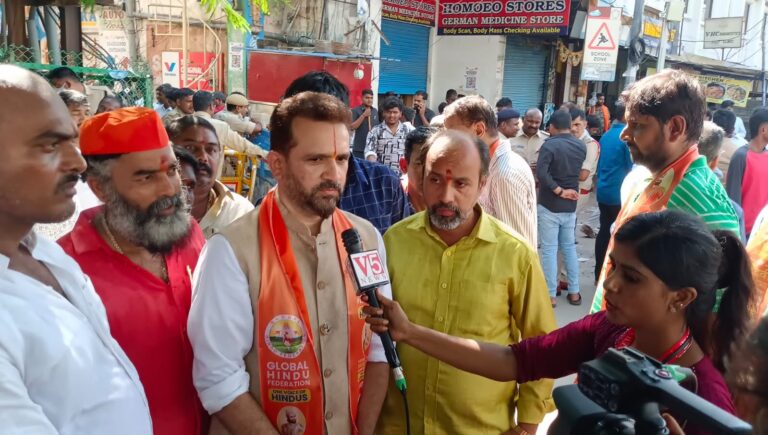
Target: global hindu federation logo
(286, 336)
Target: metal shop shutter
(524, 70)
(403, 66)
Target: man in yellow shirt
(456, 269)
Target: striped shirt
(510, 193)
(701, 193)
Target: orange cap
(123, 131)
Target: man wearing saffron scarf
(275, 323)
(139, 249)
(665, 115)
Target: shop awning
(713, 65)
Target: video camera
(623, 392)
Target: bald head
(13, 77)
(455, 171)
(534, 112)
(454, 143)
(532, 121)
(18, 85)
(38, 141)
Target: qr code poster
(236, 57)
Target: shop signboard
(171, 61)
(601, 49)
(503, 17)
(198, 65)
(105, 26)
(723, 32)
(718, 88)
(410, 11)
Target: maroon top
(561, 352)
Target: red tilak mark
(164, 163)
(448, 176)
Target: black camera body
(622, 392)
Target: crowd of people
(139, 295)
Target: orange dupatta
(654, 197)
(291, 381)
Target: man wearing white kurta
(61, 372)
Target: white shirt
(510, 193)
(61, 372)
(637, 176)
(162, 110)
(739, 129)
(227, 208)
(220, 346)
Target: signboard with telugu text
(410, 11)
(718, 88)
(503, 17)
(601, 50)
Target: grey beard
(446, 223)
(158, 234)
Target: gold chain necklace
(113, 243)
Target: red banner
(507, 17)
(410, 11)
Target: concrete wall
(450, 56)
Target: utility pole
(662, 57)
(762, 49)
(129, 22)
(184, 41)
(634, 33)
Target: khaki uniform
(528, 147)
(236, 122)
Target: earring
(673, 309)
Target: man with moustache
(510, 193)
(372, 190)
(665, 115)
(272, 301)
(529, 140)
(475, 278)
(61, 370)
(214, 206)
(140, 249)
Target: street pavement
(567, 313)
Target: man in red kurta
(139, 249)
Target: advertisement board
(410, 11)
(718, 88)
(503, 17)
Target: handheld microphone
(370, 273)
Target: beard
(653, 159)
(148, 228)
(313, 200)
(446, 222)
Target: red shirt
(754, 187)
(148, 318)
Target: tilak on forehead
(123, 131)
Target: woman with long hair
(661, 294)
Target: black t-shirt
(361, 133)
(416, 121)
